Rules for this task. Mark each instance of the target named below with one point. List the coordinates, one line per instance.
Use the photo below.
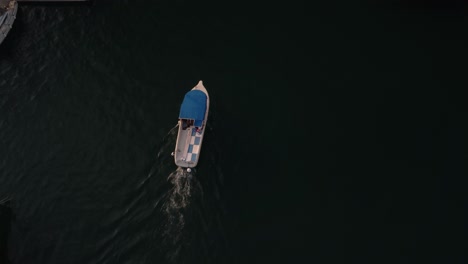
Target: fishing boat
(8, 10)
(193, 116)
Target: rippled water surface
(89, 102)
(336, 132)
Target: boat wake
(5, 200)
(179, 211)
(178, 199)
(179, 187)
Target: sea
(336, 132)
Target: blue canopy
(194, 107)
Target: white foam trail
(182, 187)
(178, 198)
(181, 190)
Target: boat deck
(188, 150)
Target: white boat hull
(189, 140)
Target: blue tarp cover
(193, 107)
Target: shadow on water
(5, 225)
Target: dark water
(336, 134)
